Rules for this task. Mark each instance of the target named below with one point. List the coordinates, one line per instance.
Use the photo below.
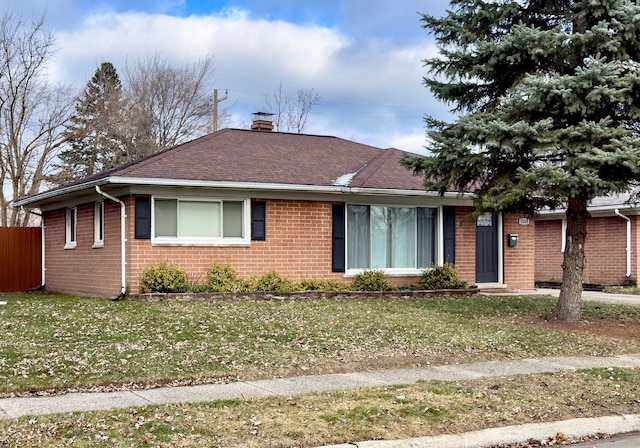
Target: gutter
(628, 249)
(552, 214)
(123, 263)
(333, 189)
(57, 192)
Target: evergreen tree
(547, 95)
(97, 129)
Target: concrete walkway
(18, 407)
(592, 296)
(22, 406)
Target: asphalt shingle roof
(276, 158)
(262, 157)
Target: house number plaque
(523, 221)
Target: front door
(487, 248)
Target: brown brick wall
(466, 245)
(298, 246)
(605, 251)
(548, 257)
(519, 261)
(83, 270)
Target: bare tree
(32, 113)
(290, 115)
(278, 105)
(168, 104)
(307, 98)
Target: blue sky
(362, 57)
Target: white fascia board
(282, 187)
(117, 180)
(58, 192)
(598, 210)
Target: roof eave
(58, 192)
(599, 210)
(332, 189)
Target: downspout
(44, 266)
(617, 212)
(123, 241)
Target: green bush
(163, 277)
(320, 285)
(271, 282)
(372, 280)
(224, 278)
(441, 277)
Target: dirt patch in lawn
(607, 328)
(597, 326)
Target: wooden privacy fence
(20, 258)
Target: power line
(338, 102)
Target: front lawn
(54, 342)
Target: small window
(98, 224)
(71, 223)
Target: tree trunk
(568, 306)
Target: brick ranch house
(611, 254)
(307, 206)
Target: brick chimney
(262, 121)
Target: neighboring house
(307, 206)
(611, 250)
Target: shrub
(272, 282)
(373, 280)
(441, 277)
(321, 285)
(224, 278)
(163, 277)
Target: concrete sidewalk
(22, 406)
(591, 296)
(17, 407)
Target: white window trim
(391, 272)
(98, 225)
(564, 236)
(399, 272)
(204, 241)
(71, 235)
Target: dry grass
(398, 412)
(55, 342)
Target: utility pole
(217, 100)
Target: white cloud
(258, 46)
(411, 142)
(371, 88)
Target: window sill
(201, 243)
(351, 273)
(69, 246)
(98, 245)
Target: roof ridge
(373, 166)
